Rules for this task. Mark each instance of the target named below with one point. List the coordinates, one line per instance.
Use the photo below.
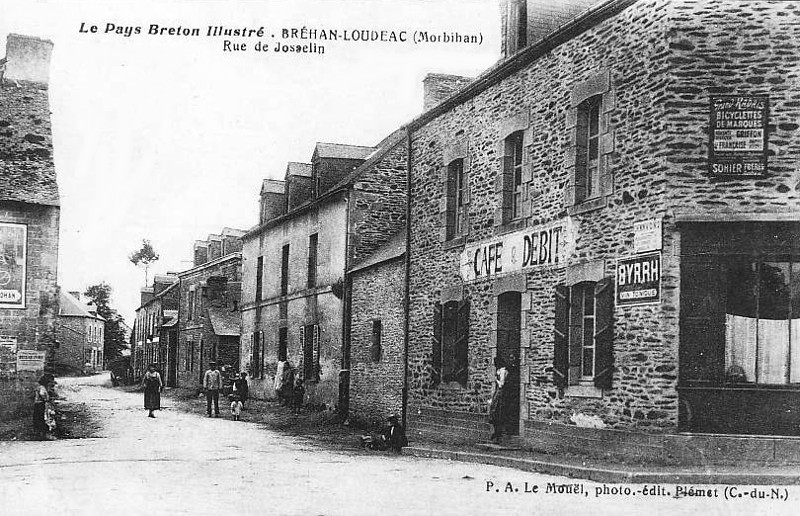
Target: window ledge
(583, 391)
(453, 243)
(450, 386)
(588, 205)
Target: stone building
(80, 332)
(209, 323)
(613, 209)
(155, 322)
(377, 333)
(29, 201)
(323, 217)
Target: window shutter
(449, 212)
(560, 342)
(604, 333)
(302, 332)
(460, 371)
(436, 359)
(506, 189)
(315, 352)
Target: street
(183, 463)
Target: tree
(114, 334)
(144, 256)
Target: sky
(169, 137)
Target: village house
(613, 210)
(155, 320)
(80, 332)
(29, 207)
(325, 216)
(209, 322)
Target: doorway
(509, 320)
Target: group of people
(289, 386)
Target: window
(285, 270)
(587, 160)
(375, 349)
(511, 179)
(255, 360)
(283, 351)
(456, 199)
(450, 342)
(584, 333)
(190, 355)
(190, 303)
(312, 261)
(259, 277)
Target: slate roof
(294, 168)
(69, 306)
(28, 182)
(394, 248)
(224, 322)
(340, 150)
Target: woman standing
(40, 400)
(152, 389)
(497, 408)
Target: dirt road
(182, 463)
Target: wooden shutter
(436, 358)
(460, 372)
(302, 338)
(604, 333)
(561, 337)
(505, 189)
(315, 352)
(448, 208)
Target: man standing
(212, 383)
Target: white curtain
(740, 344)
(741, 337)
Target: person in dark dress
(394, 435)
(40, 401)
(152, 390)
(497, 409)
(241, 388)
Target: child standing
(298, 394)
(236, 407)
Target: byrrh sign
(539, 246)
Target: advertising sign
(639, 280)
(8, 355)
(738, 133)
(29, 360)
(540, 246)
(647, 235)
(13, 263)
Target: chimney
(525, 22)
(231, 241)
(200, 252)
(214, 247)
(27, 59)
(162, 281)
(273, 200)
(147, 295)
(437, 87)
(299, 184)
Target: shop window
(455, 216)
(285, 270)
(375, 348)
(762, 321)
(511, 190)
(450, 353)
(587, 148)
(583, 344)
(312, 260)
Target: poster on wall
(647, 235)
(8, 355)
(738, 136)
(13, 245)
(638, 280)
(30, 360)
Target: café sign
(13, 263)
(532, 248)
(638, 280)
(738, 133)
(647, 235)
(29, 360)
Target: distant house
(150, 342)
(80, 333)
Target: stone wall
(629, 52)
(376, 387)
